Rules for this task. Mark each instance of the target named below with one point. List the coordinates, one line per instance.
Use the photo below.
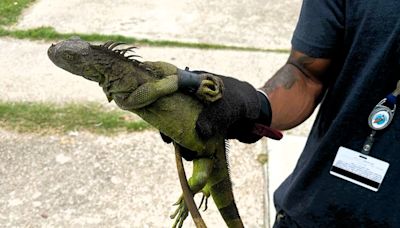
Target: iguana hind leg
(202, 168)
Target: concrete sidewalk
(255, 23)
(130, 180)
(80, 179)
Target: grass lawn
(49, 118)
(11, 9)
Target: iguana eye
(68, 56)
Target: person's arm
(294, 91)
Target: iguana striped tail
(220, 186)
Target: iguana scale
(150, 89)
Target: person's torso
(369, 71)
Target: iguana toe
(206, 194)
(210, 89)
(204, 200)
(180, 214)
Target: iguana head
(105, 63)
(92, 62)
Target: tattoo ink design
(283, 78)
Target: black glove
(242, 113)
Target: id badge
(359, 168)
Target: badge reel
(381, 116)
(359, 168)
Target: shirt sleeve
(320, 29)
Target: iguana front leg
(146, 93)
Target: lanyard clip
(381, 116)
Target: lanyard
(381, 117)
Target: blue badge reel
(381, 116)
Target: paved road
(130, 180)
(256, 23)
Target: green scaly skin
(150, 89)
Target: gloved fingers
(242, 131)
(204, 128)
(207, 126)
(214, 118)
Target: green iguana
(150, 89)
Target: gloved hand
(242, 113)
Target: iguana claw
(210, 89)
(180, 214)
(204, 199)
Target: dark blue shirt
(362, 37)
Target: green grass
(50, 34)
(50, 118)
(11, 9)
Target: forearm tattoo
(283, 78)
(302, 63)
(287, 76)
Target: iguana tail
(220, 186)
